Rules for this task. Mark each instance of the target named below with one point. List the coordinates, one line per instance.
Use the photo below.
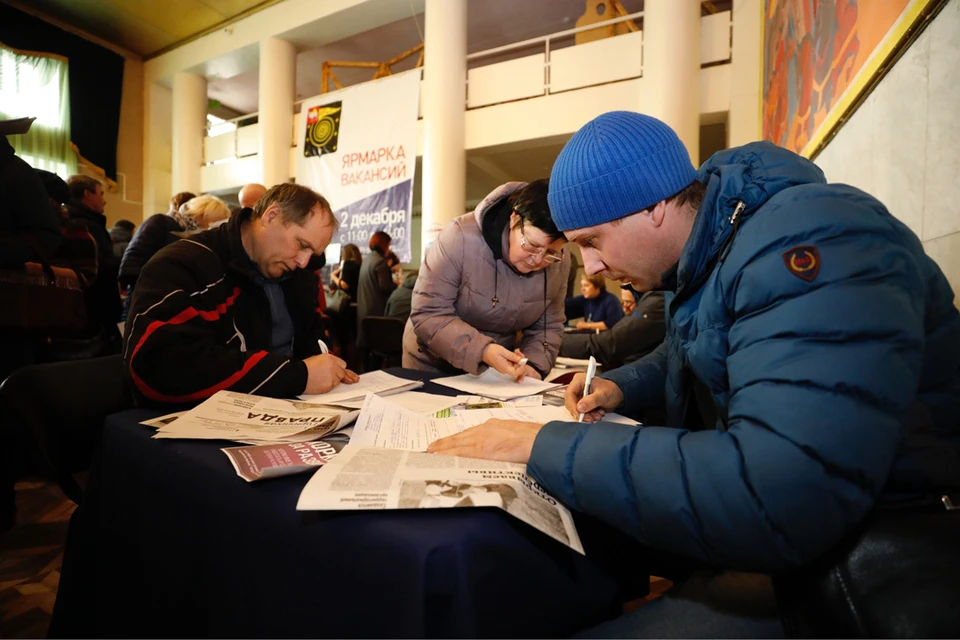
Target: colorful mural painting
(816, 50)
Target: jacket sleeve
(541, 340)
(171, 349)
(820, 378)
(643, 382)
(632, 337)
(612, 310)
(433, 312)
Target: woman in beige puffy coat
(490, 275)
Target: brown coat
(453, 317)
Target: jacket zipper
(685, 292)
(735, 221)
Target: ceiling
(145, 27)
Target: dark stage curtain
(96, 82)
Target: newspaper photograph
(241, 417)
(275, 460)
(364, 478)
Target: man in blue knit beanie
(810, 367)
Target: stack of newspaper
(253, 419)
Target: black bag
(338, 302)
(42, 300)
(896, 576)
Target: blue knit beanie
(617, 164)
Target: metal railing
(507, 53)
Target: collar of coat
(239, 260)
(751, 174)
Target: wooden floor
(30, 557)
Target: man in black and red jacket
(235, 307)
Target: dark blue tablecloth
(169, 541)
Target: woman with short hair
(192, 214)
(491, 289)
(375, 283)
(599, 308)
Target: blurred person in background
(375, 283)
(86, 207)
(345, 277)
(250, 193)
(399, 302)
(161, 229)
(599, 308)
(120, 233)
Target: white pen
(323, 347)
(591, 371)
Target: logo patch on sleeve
(803, 261)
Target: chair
(52, 414)
(385, 338)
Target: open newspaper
(241, 417)
(364, 478)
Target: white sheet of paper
(493, 384)
(417, 401)
(541, 415)
(384, 424)
(373, 382)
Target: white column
(278, 79)
(671, 67)
(744, 124)
(189, 129)
(157, 150)
(443, 100)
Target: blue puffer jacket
(829, 391)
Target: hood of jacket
(491, 212)
(751, 174)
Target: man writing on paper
(235, 307)
(810, 367)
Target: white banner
(358, 148)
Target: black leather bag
(896, 576)
(338, 302)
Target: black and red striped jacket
(199, 323)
